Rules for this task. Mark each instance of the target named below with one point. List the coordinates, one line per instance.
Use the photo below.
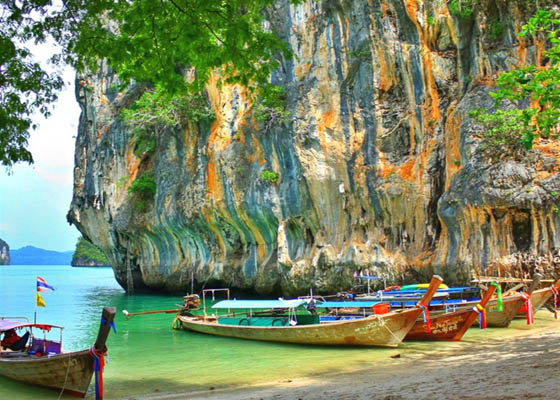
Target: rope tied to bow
(482, 315)
(426, 312)
(499, 294)
(528, 307)
(98, 365)
(111, 324)
(555, 297)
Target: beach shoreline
(524, 364)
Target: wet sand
(512, 363)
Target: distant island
(88, 255)
(4, 253)
(30, 255)
(85, 255)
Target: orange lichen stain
(407, 170)
(385, 171)
(259, 154)
(521, 49)
(328, 120)
(423, 259)
(551, 147)
(213, 183)
(384, 8)
(452, 144)
(412, 9)
(311, 19)
(386, 79)
(488, 81)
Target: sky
(34, 199)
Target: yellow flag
(39, 300)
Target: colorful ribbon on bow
(426, 316)
(98, 364)
(555, 296)
(529, 305)
(111, 324)
(482, 315)
(499, 294)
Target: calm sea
(146, 356)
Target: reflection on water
(147, 356)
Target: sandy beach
(523, 364)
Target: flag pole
(35, 310)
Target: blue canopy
(347, 304)
(259, 304)
(461, 289)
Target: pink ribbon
(529, 311)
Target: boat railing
(213, 292)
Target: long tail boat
(513, 304)
(539, 298)
(450, 326)
(44, 364)
(387, 330)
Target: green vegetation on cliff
(532, 91)
(144, 187)
(87, 254)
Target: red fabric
(528, 308)
(555, 295)
(10, 338)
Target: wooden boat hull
(387, 330)
(447, 326)
(69, 371)
(502, 319)
(538, 299)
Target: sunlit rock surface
(379, 165)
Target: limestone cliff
(379, 165)
(4, 253)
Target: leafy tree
(157, 109)
(24, 86)
(170, 44)
(533, 90)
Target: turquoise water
(147, 356)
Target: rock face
(379, 165)
(86, 262)
(4, 253)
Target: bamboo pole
(486, 279)
(129, 314)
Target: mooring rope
(66, 377)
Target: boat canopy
(259, 304)
(6, 325)
(347, 304)
(461, 289)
